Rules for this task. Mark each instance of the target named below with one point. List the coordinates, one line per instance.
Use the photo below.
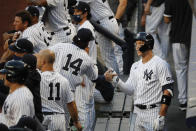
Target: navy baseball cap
(30, 61)
(84, 7)
(22, 46)
(85, 35)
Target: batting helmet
(15, 71)
(148, 41)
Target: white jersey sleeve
(38, 36)
(128, 87)
(68, 94)
(164, 74)
(52, 3)
(91, 71)
(87, 1)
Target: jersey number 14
(75, 65)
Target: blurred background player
(84, 94)
(33, 83)
(56, 20)
(103, 15)
(19, 102)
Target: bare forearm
(149, 2)
(121, 9)
(73, 111)
(7, 55)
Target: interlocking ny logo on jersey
(147, 75)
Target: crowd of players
(49, 67)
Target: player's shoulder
(60, 46)
(135, 64)
(159, 61)
(87, 25)
(23, 92)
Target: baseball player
(151, 83)
(84, 95)
(19, 102)
(103, 15)
(72, 61)
(56, 20)
(33, 83)
(22, 21)
(18, 50)
(39, 37)
(55, 94)
(180, 18)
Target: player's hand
(7, 36)
(143, 20)
(16, 36)
(112, 77)
(159, 123)
(147, 10)
(78, 126)
(82, 84)
(109, 74)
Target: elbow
(167, 20)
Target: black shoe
(183, 107)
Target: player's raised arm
(127, 87)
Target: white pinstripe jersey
(92, 46)
(17, 104)
(57, 15)
(146, 80)
(73, 62)
(100, 9)
(38, 36)
(55, 92)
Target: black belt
(110, 17)
(51, 113)
(143, 107)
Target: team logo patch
(147, 75)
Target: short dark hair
(33, 11)
(25, 16)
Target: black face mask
(17, 57)
(77, 18)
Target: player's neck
(15, 86)
(81, 22)
(147, 56)
(47, 67)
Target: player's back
(55, 92)
(73, 62)
(57, 15)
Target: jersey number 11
(57, 85)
